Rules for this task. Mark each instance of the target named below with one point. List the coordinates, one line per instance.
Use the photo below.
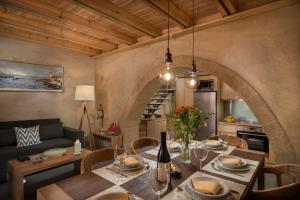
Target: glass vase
(185, 152)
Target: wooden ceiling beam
(23, 34)
(118, 15)
(221, 8)
(8, 16)
(231, 6)
(177, 16)
(208, 24)
(65, 17)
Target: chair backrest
(143, 142)
(235, 141)
(289, 191)
(98, 156)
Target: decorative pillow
(27, 136)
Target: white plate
(192, 193)
(232, 166)
(220, 165)
(135, 168)
(139, 158)
(220, 148)
(55, 152)
(114, 196)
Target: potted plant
(186, 120)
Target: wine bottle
(163, 157)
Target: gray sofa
(52, 135)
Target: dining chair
(282, 191)
(142, 143)
(97, 157)
(232, 140)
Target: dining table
(102, 180)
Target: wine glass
(159, 179)
(200, 153)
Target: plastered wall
(263, 49)
(78, 69)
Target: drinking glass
(200, 153)
(117, 163)
(159, 179)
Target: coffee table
(17, 170)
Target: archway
(257, 104)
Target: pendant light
(168, 76)
(192, 82)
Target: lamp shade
(85, 93)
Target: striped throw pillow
(27, 136)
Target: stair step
(161, 93)
(156, 103)
(166, 90)
(151, 108)
(162, 98)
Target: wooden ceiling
(96, 27)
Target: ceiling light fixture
(168, 76)
(192, 82)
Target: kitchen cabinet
(225, 128)
(227, 93)
(184, 95)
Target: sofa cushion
(7, 137)
(27, 136)
(55, 143)
(49, 131)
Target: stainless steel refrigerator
(207, 102)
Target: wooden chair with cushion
(232, 140)
(142, 143)
(97, 157)
(287, 191)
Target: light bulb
(168, 76)
(192, 82)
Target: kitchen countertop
(240, 123)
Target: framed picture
(17, 76)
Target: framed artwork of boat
(17, 76)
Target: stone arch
(272, 127)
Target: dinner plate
(222, 147)
(216, 145)
(220, 165)
(175, 147)
(139, 158)
(135, 168)
(114, 196)
(193, 194)
(55, 152)
(232, 166)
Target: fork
(215, 168)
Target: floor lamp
(86, 93)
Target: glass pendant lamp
(168, 76)
(192, 82)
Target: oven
(254, 137)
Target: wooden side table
(113, 139)
(17, 170)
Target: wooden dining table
(87, 185)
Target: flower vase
(185, 152)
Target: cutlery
(234, 191)
(179, 188)
(108, 168)
(131, 196)
(219, 170)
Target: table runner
(179, 195)
(112, 176)
(242, 176)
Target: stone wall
(78, 69)
(262, 51)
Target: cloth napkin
(207, 187)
